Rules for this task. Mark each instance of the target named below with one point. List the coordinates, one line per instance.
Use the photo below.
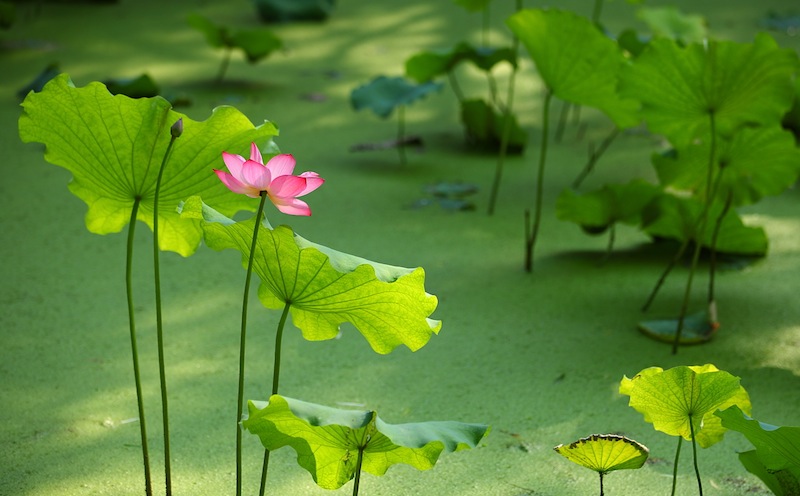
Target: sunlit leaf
(426, 65)
(328, 440)
(256, 44)
(671, 399)
(672, 23)
(327, 288)
(777, 447)
(114, 145)
(577, 62)
(756, 162)
(383, 94)
(605, 453)
(673, 217)
(597, 210)
(680, 87)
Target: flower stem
(675, 466)
(537, 213)
(148, 486)
(694, 455)
(159, 323)
(242, 343)
(276, 373)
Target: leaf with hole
(329, 441)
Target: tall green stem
(276, 374)
(598, 9)
(401, 133)
(712, 302)
(359, 462)
(148, 486)
(675, 466)
(243, 343)
(223, 68)
(537, 213)
(601, 484)
(700, 234)
(694, 456)
(159, 323)
(507, 114)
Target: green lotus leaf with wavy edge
(114, 145)
(328, 440)
(426, 65)
(670, 399)
(739, 83)
(256, 44)
(577, 62)
(383, 94)
(605, 453)
(327, 288)
(596, 210)
(778, 447)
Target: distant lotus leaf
(673, 217)
(142, 86)
(605, 453)
(697, 328)
(328, 440)
(294, 10)
(256, 44)
(681, 87)
(746, 172)
(630, 41)
(473, 5)
(597, 210)
(671, 399)
(670, 22)
(777, 447)
(784, 482)
(484, 126)
(327, 288)
(577, 62)
(114, 145)
(425, 66)
(383, 94)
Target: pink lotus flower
(251, 177)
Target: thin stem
(537, 213)
(675, 259)
(700, 234)
(598, 9)
(148, 486)
(675, 465)
(159, 323)
(612, 235)
(243, 341)
(401, 133)
(594, 156)
(562, 121)
(223, 68)
(276, 373)
(507, 114)
(694, 455)
(712, 305)
(359, 462)
(601, 483)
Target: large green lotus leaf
(426, 65)
(605, 453)
(680, 87)
(327, 440)
(784, 482)
(326, 288)
(673, 217)
(672, 23)
(670, 399)
(747, 175)
(597, 210)
(383, 94)
(114, 145)
(778, 448)
(577, 62)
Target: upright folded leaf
(327, 288)
(328, 440)
(113, 146)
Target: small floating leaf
(696, 329)
(670, 399)
(605, 453)
(328, 440)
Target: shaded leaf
(670, 399)
(48, 73)
(114, 145)
(748, 175)
(473, 5)
(605, 453)
(256, 44)
(670, 22)
(777, 447)
(673, 217)
(8, 14)
(597, 210)
(577, 62)
(696, 329)
(680, 87)
(327, 288)
(328, 440)
(484, 127)
(142, 86)
(426, 65)
(784, 482)
(294, 10)
(383, 94)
